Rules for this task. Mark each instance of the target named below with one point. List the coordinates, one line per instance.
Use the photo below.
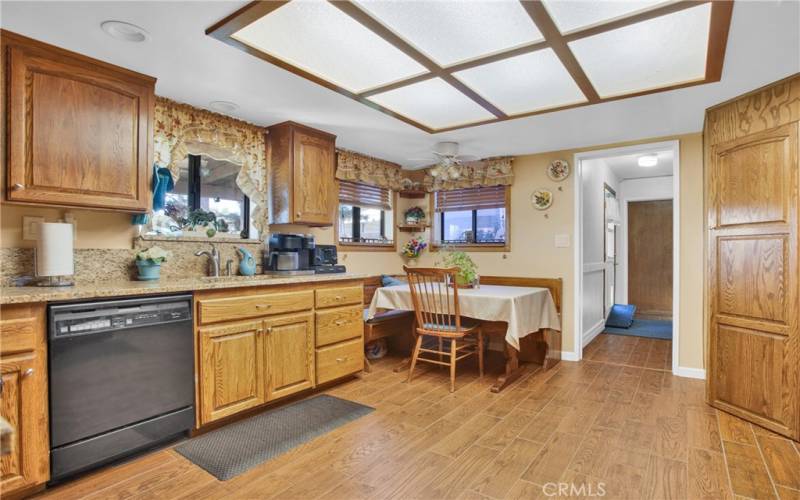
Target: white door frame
(674, 145)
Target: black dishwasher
(121, 378)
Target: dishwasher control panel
(116, 315)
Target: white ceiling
(763, 46)
(627, 167)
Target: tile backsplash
(94, 265)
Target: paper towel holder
(54, 269)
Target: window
(365, 215)
(210, 185)
(474, 217)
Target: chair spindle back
(435, 307)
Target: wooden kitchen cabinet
(79, 131)
(303, 171)
(23, 399)
(289, 354)
(232, 370)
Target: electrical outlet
(30, 227)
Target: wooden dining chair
(434, 293)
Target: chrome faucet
(213, 260)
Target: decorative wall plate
(558, 170)
(541, 199)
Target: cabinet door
(315, 194)
(79, 131)
(754, 356)
(289, 354)
(231, 369)
(24, 406)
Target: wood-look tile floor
(640, 352)
(633, 432)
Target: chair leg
(414, 356)
(453, 365)
(441, 346)
(480, 352)
(367, 366)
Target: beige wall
(533, 252)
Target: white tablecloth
(525, 309)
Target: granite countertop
(27, 294)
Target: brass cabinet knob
(18, 187)
(28, 372)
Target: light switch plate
(30, 227)
(562, 241)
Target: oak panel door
(79, 131)
(23, 403)
(289, 347)
(754, 344)
(650, 257)
(315, 196)
(231, 369)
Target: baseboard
(683, 371)
(593, 332)
(569, 356)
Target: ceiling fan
(448, 163)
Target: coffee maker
(289, 254)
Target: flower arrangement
(467, 270)
(414, 215)
(413, 248)
(154, 255)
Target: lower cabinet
(232, 370)
(262, 344)
(289, 348)
(23, 397)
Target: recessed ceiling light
(223, 106)
(126, 32)
(648, 161)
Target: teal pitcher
(247, 264)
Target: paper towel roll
(54, 250)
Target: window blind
(364, 195)
(470, 199)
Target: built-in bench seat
(385, 324)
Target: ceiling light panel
(450, 31)
(321, 39)
(652, 54)
(524, 83)
(434, 103)
(573, 15)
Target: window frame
(355, 246)
(195, 195)
(438, 227)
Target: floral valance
(181, 129)
(481, 173)
(352, 166)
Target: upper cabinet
(303, 162)
(79, 131)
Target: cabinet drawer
(252, 306)
(331, 297)
(342, 323)
(338, 360)
(17, 335)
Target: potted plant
(149, 263)
(412, 249)
(415, 216)
(467, 274)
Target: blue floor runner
(651, 328)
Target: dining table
(513, 312)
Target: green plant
(156, 255)
(467, 270)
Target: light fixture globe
(648, 161)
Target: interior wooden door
(231, 369)
(315, 196)
(650, 257)
(289, 354)
(752, 200)
(79, 131)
